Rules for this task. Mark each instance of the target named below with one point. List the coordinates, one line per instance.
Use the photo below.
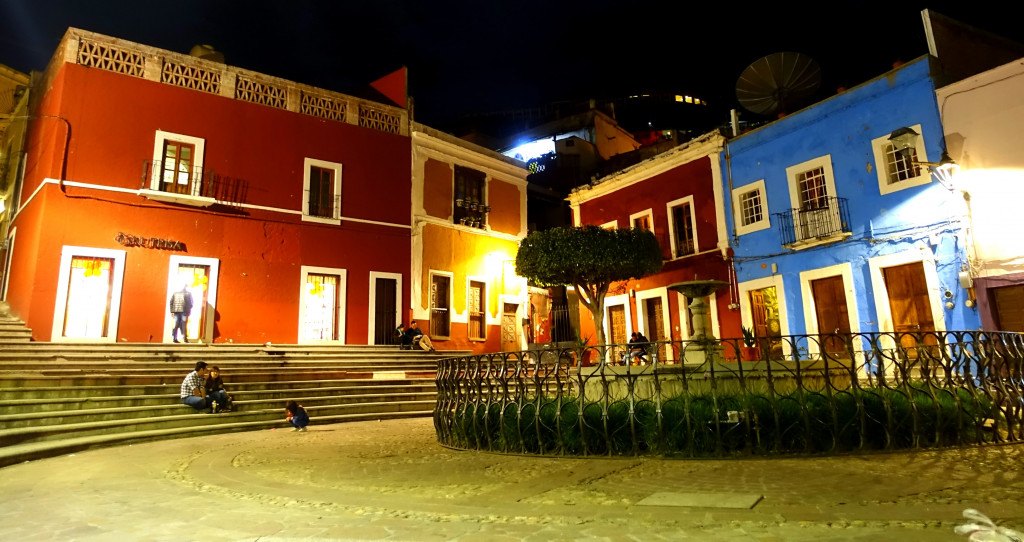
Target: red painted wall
(113, 120)
(693, 178)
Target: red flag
(394, 86)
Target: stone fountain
(702, 346)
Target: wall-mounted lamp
(905, 138)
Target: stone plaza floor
(390, 480)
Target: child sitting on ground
(296, 415)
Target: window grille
(321, 197)
(477, 318)
(250, 90)
(901, 164)
(751, 208)
(111, 58)
(440, 319)
(192, 77)
(469, 204)
(813, 193)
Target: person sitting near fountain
(638, 348)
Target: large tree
(590, 259)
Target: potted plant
(749, 350)
(586, 354)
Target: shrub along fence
(821, 394)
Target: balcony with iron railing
(827, 221)
(163, 181)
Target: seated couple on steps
(203, 390)
(413, 337)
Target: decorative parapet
(185, 71)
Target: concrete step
(172, 406)
(30, 451)
(56, 403)
(185, 416)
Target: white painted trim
(878, 146)
(649, 213)
(613, 225)
(688, 200)
(63, 281)
(499, 168)
(576, 220)
(211, 292)
(11, 234)
(372, 323)
(881, 294)
(745, 309)
(232, 204)
(335, 167)
(765, 221)
(451, 299)
(340, 317)
(844, 270)
(642, 316)
(158, 156)
(825, 162)
(488, 320)
(717, 189)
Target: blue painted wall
(843, 127)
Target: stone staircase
(58, 398)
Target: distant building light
(688, 99)
(679, 98)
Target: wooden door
(832, 314)
(910, 306)
(509, 329)
(385, 317)
(655, 323)
(1009, 308)
(617, 330)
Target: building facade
(469, 214)
(14, 97)
(283, 208)
(838, 224)
(980, 117)
(676, 195)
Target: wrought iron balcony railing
(192, 182)
(828, 220)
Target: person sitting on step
(215, 389)
(417, 338)
(193, 389)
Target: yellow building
(469, 215)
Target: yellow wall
(437, 188)
(469, 255)
(504, 199)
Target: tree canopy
(590, 259)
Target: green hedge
(696, 425)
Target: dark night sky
(473, 57)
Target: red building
(678, 196)
(284, 208)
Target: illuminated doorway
(88, 294)
(322, 305)
(199, 275)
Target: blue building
(839, 222)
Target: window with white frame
(812, 193)
(682, 227)
(644, 220)
(177, 166)
(899, 169)
(613, 225)
(750, 208)
(321, 191)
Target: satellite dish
(777, 83)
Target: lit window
(176, 171)
(642, 221)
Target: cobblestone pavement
(390, 480)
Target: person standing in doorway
(181, 307)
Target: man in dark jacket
(181, 307)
